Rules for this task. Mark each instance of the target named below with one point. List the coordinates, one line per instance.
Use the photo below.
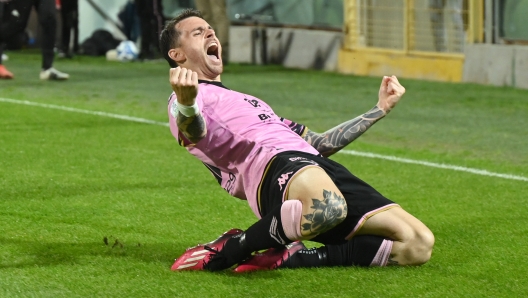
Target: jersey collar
(216, 83)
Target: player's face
(201, 48)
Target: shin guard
(291, 214)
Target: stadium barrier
(303, 34)
(287, 46)
(495, 64)
(422, 39)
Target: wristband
(188, 111)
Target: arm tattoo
(337, 138)
(193, 128)
(327, 213)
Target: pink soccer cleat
(270, 259)
(196, 257)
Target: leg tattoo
(327, 213)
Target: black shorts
(363, 200)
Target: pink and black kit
(253, 154)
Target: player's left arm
(337, 138)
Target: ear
(177, 55)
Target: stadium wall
(408, 38)
(380, 63)
(499, 65)
(290, 47)
(493, 64)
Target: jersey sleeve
(297, 128)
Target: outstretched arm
(337, 138)
(190, 121)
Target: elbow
(195, 137)
(325, 151)
(193, 128)
(195, 140)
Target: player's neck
(205, 78)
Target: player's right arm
(191, 123)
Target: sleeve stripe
(304, 132)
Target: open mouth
(212, 51)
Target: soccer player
(281, 168)
(151, 19)
(14, 20)
(69, 10)
(4, 73)
(446, 38)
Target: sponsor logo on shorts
(296, 158)
(303, 159)
(283, 178)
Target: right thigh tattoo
(327, 213)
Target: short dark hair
(169, 37)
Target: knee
(420, 248)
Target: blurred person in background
(69, 11)
(214, 12)
(448, 35)
(4, 73)
(151, 18)
(14, 21)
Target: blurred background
(482, 41)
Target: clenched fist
(390, 93)
(184, 83)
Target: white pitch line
(349, 152)
(64, 108)
(434, 165)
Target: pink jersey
(243, 135)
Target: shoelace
(211, 249)
(211, 256)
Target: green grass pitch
(100, 207)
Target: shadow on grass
(38, 253)
(42, 254)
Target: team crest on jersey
(174, 109)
